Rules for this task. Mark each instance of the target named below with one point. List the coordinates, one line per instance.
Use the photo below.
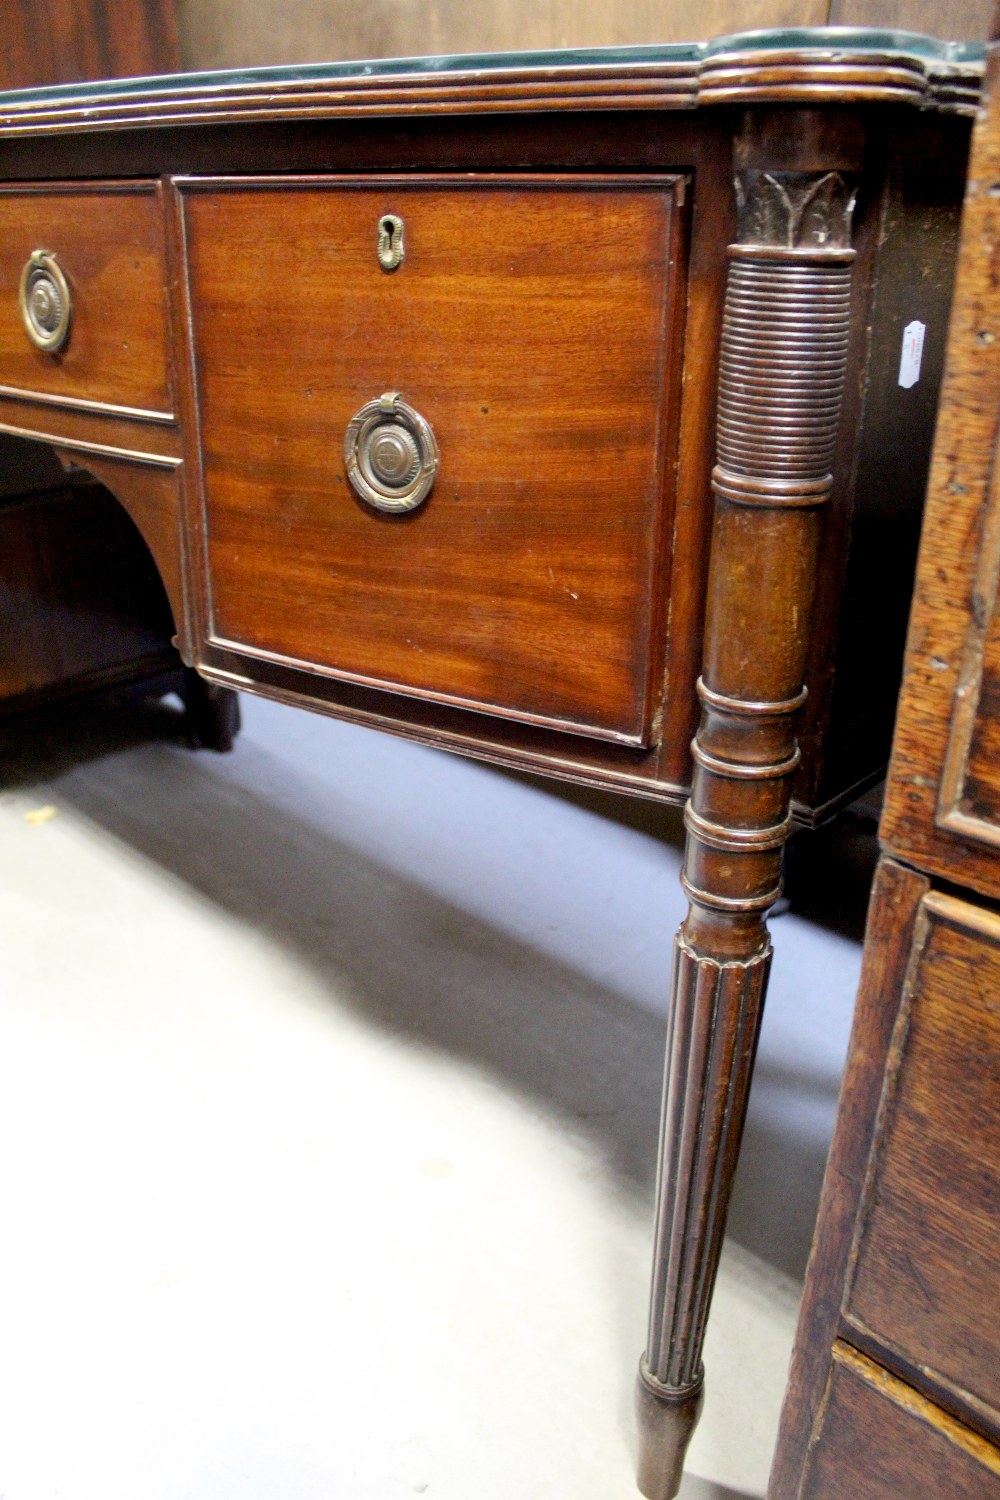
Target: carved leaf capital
(795, 210)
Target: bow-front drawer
(83, 315)
(435, 423)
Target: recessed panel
(925, 1260)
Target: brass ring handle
(46, 305)
(391, 454)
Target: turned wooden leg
(782, 366)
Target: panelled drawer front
(530, 324)
(926, 1282)
(877, 1439)
(108, 242)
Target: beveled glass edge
(820, 40)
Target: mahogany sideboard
(895, 1380)
(572, 411)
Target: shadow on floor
(48, 742)
(776, 1193)
(828, 870)
(694, 1488)
(547, 1030)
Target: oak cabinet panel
(925, 1279)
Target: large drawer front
(107, 241)
(925, 1283)
(530, 323)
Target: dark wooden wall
(231, 33)
(959, 20)
(66, 41)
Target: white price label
(909, 359)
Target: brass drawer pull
(391, 454)
(46, 305)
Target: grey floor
(329, 1075)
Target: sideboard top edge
(830, 64)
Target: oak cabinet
(895, 1381)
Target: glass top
(908, 44)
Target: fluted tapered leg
(782, 368)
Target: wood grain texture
(530, 326)
(924, 1278)
(913, 1450)
(943, 806)
(108, 240)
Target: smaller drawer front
(108, 243)
(926, 1284)
(879, 1440)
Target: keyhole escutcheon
(390, 241)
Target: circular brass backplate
(46, 305)
(391, 454)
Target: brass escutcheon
(46, 305)
(391, 454)
(390, 241)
